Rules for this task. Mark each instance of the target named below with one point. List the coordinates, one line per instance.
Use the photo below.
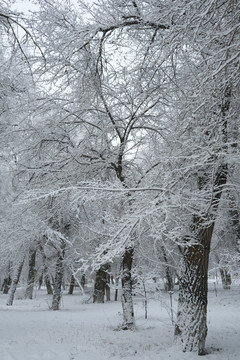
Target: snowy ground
(30, 331)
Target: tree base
(128, 327)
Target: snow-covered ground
(86, 331)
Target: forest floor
(86, 331)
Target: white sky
(26, 5)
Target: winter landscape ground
(86, 331)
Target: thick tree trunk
(58, 282)
(15, 282)
(127, 301)
(191, 324)
(31, 274)
(100, 284)
(226, 279)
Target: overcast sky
(26, 5)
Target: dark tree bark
(191, 323)
(226, 279)
(15, 281)
(40, 281)
(127, 302)
(7, 280)
(83, 281)
(72, 284)
(100, 284)
(31, 274)
(108, 280)
(234, 215)
(6, 284)
(45, 275)
(48, 284)
(169, 285)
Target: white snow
(86, 331)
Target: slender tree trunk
(108, 291)
(31, 274)
(169, 278)
(45, 275)
(40, 281)
(226, 279)
(72, 284)
(116, 288)
(48, 284)
(82, 282)
(7, 280)
(127, 301)
(15, 282)
(58, 281)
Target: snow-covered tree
(136, 114)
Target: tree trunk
(40, 281)
(226, 279)
(169, 284)
(191, 323)
(127, 302)
(83, 281)
(234, 214)
(108, 280)
(31, 274)
(48, 284)
(6, 285)
(116, 288)
(71, 287)
(15, 282)
(58, 282)
(45, 275)
(108, 294)
(7, 280)
(100, 284)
